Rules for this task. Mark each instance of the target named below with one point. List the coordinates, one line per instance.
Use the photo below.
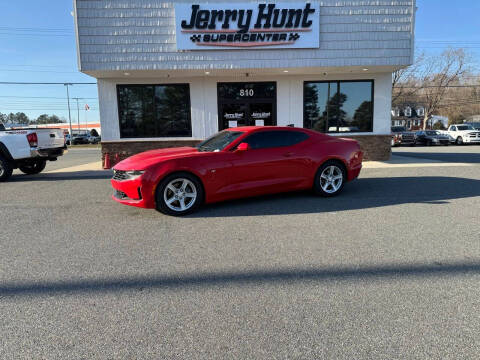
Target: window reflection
(154, 110)
(338, 106)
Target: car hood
(145, 159)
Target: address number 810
(247, 92)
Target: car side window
(454, 128)
(270, 139)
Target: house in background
(409, 115)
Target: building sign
(247, 25)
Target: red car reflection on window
(236, 163)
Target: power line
(45, 83)
(43, 71)
(40, 97)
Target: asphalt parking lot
(390, 269)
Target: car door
(273, 163)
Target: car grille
(120, 175)
(474, 135)
(120, 195)
(407, 137)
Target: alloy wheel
(331, 179)
(180, 194)
(2, 169)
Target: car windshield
(398, 129)
(432, 133)
(465, 127)
(219, 141)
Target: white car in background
(463, 134)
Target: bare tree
(429, 82)
(437, 75)
(404, 81)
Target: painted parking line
(93, 166)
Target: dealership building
(174, 73)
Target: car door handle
(288, 154)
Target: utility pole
(78, 113)
(69, 115)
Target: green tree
(363, 116)
(438, 126)
(11, 118)
(21, 118)
(54, 119)
(43, 119)
(333, 116)
(312, 115)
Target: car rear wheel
(179, 194)
(5, 169)
(329, 179)
(34, 167)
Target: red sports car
(236, 163)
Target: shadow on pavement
(77, 175)
(472, 158)
(111, 285)
(362, 193)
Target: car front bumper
(134, 193)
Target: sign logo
(274, 25)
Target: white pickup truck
(28, 149)
(463, 134)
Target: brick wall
(375, 147)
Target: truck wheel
(34, 167)
(459, 141)
(6, 169)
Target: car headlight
(134, 174)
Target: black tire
(194, 185)
(459, 141)
(320, 184)
(6, 169)
(34, 167)
(429, 143)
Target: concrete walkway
(408, 162)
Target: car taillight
(32, 139)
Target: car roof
(274, 128)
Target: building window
(408, 111)
(147, 111)
(420, 111)
(338, 106)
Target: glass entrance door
(246, 104)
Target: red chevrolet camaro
(236, 163)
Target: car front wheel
(179, 194)
(459, 140)
(329, 179)
(34, 167)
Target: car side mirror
(243, 146)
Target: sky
(37, 44)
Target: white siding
(204, 109)
(140, 35)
